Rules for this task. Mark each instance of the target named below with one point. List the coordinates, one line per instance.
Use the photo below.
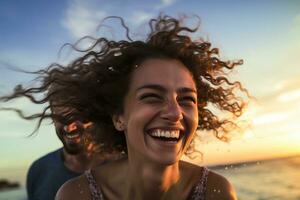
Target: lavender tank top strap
(200, 188)
(95, 191)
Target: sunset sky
(265, 34)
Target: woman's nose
(172, 111)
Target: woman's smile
(165, 134)
(160, 110)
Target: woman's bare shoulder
(76, 188)
(218, 187)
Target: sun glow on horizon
(289, 96)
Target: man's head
(68, 125)
(70, 129)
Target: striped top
(197, 194)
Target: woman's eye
(188, 100)
(151, 97)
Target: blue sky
(263, 33)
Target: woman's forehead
(164, 72)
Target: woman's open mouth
(166, 135)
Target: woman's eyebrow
(187, 90)
(153, 87)
(162, 89)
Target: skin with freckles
(161, 98)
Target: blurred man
(49, 172)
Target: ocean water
(265, 180)
(262, 180)
(18, 194)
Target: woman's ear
(118, 122)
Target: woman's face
(160, 111)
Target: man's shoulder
(48, 158)
(42, 166)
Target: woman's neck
(149, 179)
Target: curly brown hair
(96, 83)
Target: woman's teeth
(165, 133)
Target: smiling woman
(148, 98)
(160, 111)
